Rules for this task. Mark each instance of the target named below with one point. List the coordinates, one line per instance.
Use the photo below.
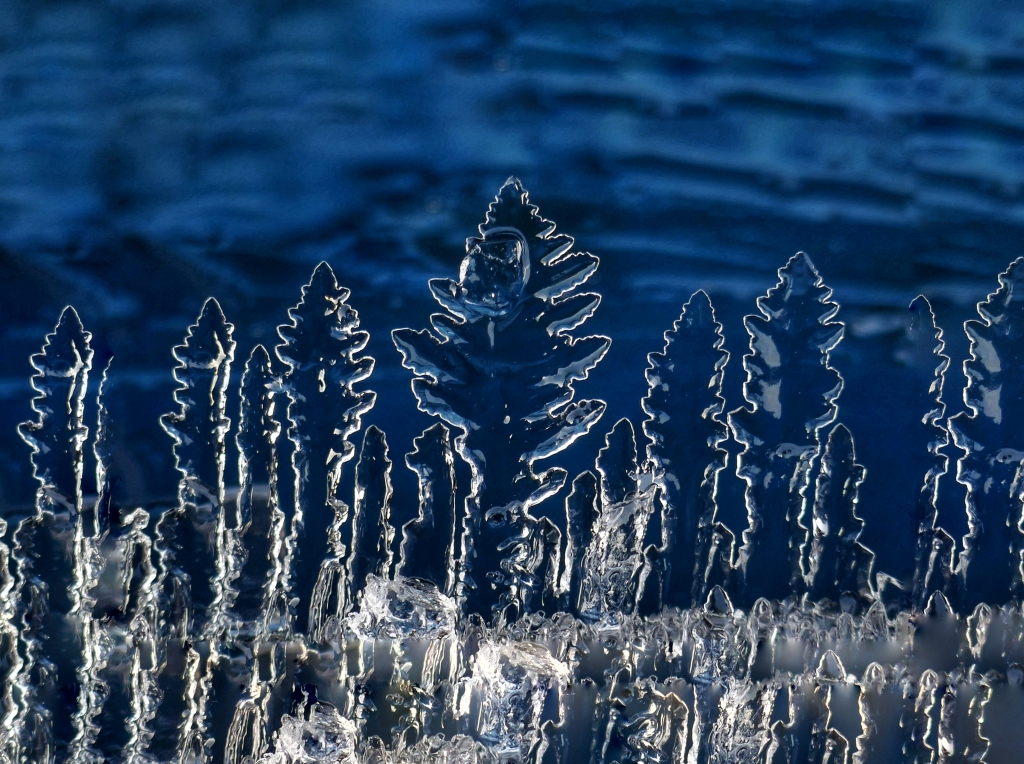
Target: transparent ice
(613, 617)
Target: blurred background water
(153, 154)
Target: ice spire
(428, 541)
(839, 566)
(47, 543)
(684, 406)
(321, 349)
(190, 536)
(581, 513)
(372, 533)
(992, 439)
(792, 392)
(97, 677)
(613, 565)
(254, 545)
(922, 353)
(500, 365)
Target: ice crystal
(284, 620)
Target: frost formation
(288, 620)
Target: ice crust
(289, 621)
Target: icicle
(428, 541)
(792, 392)
(839, 568)
(47, 545)
(320, 348)
(683, 407)
(500, 366)
(886, 709)
(992, 439)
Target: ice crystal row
(201, 634)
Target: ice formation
(279, 622)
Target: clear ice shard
(284, 620)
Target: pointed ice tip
(920, 307)
(69, 319)
(831, 668)
(718, 602)
(323, 277)
(1012, 279)
(511, 185)
(699, 306)
(938, 605)
(259, 357)
(800, 267)
(841, 436)
(212, 312)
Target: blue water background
(153, 154)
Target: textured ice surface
(518, 617)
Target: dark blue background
(156, 153)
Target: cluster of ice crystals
(277, 623)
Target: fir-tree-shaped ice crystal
(992, 439)
(259, 525)
(921, 353)
(613, 565)
(199, 429)
(500, 365)
(48, 588)
(320, 349)
(428, 541)
(683, 406)
(792, 391)
(839, 566)
(190, 536)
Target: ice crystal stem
(839, 566)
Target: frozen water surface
(519, 613)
